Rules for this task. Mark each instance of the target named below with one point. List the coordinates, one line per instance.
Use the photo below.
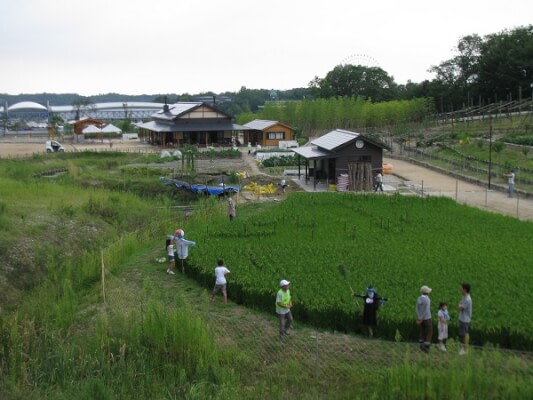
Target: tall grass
(471, 377)
(139, 352)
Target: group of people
(372, 302)
(177, 248)
(425, 323)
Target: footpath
(413, 179)
(428, 182)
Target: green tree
(356, 80)
(506, 63)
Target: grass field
(88, 312)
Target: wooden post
(103, 276)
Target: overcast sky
(189, 46)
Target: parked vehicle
(54, 147)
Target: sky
(134, 47)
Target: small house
(342, 155)
(267, 133)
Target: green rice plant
(395, 243)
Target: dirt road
(23, 147)
(426, 181)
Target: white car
(54, 147)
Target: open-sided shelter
(190, 123)
(267, 133)
(110, 128)
(342, 153)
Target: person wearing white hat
(423, 318)
(283, 308)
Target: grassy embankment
(137, 334)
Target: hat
(425, 290)
(283, 282)
(180, 232)
(370, 288)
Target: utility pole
(490, 150)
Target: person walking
(465, 316)
(511, 177)
(379, 182)
(182, 247)
(231, 208)
(370, 308)
(220, 281)
(283, 184)
(423, 318)
(283, 308)
(442, 327)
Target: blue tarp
(212, 190)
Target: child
(443, 318)
(220, 283)
(170, 253)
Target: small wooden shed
(343, 154)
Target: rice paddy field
(328, 244)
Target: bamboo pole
(103, 275)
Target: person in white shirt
(511, 177)
(465, 317)
(220, 283)
(379, 182)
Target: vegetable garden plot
(395, 243)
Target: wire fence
(324, 359)
(331, 357)
(479, 169)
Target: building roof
(262, 124)
(25, 105)
(196, 126)
(91, 129)
(310, 152)
(113, 106)
(177, 109)
(335, 139)
(110, 128)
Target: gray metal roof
(197, 126)
(260, 124)
(310, 152)
(179, 108)
(334, 139)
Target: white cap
(425, 290)
(283, 282)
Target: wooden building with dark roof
(190, 123)
(342, 153)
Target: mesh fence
(323, 358)
(337, 357)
